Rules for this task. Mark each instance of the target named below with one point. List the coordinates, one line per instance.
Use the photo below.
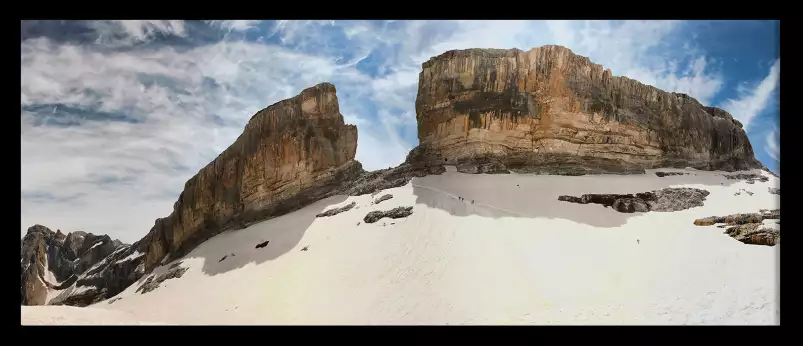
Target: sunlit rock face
(290, 154)
(549, 110)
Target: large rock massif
(292, 153)
(551, 111)
(81, 267)
(486, 111)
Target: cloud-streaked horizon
(117, 115)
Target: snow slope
(516, 255)
(68, 315)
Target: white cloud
(771, 144)
(185, 106)
(752, 101)
(116, 33)
(236, 25)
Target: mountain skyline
(117, 115)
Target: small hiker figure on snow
(472, 201)
(637, 241)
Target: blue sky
(117, 115)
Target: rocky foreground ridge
(84, 267)
(483, 110)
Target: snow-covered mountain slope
(477, 249)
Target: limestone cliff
(291, 153)
(551, 111)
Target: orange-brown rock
(551, 111)
(291, 153)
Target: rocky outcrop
(290, 154)
(153, 281)
(335, 211)
(383, 198)
(395, 213)
(53, 262)
(669, 174)
(750, 178)
(383, 179)
(550, 111)
(749, 228)
(664, 200)
(740, 219)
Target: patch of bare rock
(668, 174)
(152, 282)
(748, 228)
(749, 178)
(384, 197)
(373, 182)
(775, 191)
(395, 213)
(664, 200)
(335, 211)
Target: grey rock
(630, 205)
(664, 200)
(676, 199)
(775, 191)
(152, 282)
(69, 258)
(395, 213)
(373, 182)
(750, 178)
(667, 174)
(384, 197)
(335, 211)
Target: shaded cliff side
(58, 269)
(548, 110)
(290, 154)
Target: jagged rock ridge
(79, 265)
(548, 110)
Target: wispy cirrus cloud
(117, 115)
(752, 101)
(772, 144)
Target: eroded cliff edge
(548, 110)
(290, 154)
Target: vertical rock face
(51, 261)
(553, 111)
(291, 153)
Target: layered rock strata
(485, 111)
(548, 110)
(290, 154)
